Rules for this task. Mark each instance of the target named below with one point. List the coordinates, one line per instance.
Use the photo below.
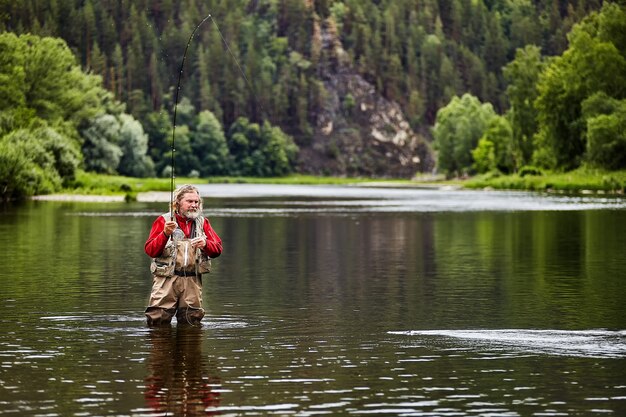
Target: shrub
(529, 170)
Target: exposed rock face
(357, 131)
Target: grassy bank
(583, 180)
(579, 181)
(98, 184)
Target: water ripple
(579, 343)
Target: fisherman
(181, 244)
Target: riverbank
(150, 196)
(580, 181)
(97, 187)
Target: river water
(327, 300)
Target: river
(327, 300)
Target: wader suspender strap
(192, 232)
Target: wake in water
(579, 343)
(128, 322)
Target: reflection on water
(178, 382)
(326, 301)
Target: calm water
(326, 301)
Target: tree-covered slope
(270, 61)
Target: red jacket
(157, 239)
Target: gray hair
(180, 192)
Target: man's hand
(198, 242)
(169, 228)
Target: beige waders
(180, 295)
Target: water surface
(326, 301)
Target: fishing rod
(180, 73)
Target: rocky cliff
(358, 132)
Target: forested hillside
(264, 74)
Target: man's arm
(213, 246)
(157, 238)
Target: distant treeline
(419, 53)
(427, 55)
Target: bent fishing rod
(180, 73)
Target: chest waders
(177, 278)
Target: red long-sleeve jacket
(157, 239)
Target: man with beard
(181, 245)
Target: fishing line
(180, 73)
(236, 62)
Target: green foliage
(418, 53)
(260, 151)
(116, 145)
(33, 162)
(12, 73)
(457, 130)
(529, 170)
(40, 79)
(46, 101)
(100, 184)
(606, 131)
(100, 148)
(440, 49)
(494, 150)
(15, 171)
(185, 159)
(522, 75)
(500, 133)
(594, 62)
(209, 142)
(92, 183)
(484, 156)
(580, 180)
(134, 144)
(158, 126)
(63, 152)
(48, 81)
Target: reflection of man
(181, 249)
(177, 383)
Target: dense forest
(492, 85)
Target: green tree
(98, 60)
(522, 75)
(117, 144)
(606, 131)
(18, 173)
(44, 77)
(430, 65)
(100, 149)
(117, 81)
(185, 160)
(494, 147)
(158, 127)
(34, 161)
(13, 83)
(419, 53)
(134, 145)
(458, 127)
(48, 99)
(280, 150)
(260, 150)
(209, 144)
(521, 22)
(484, 156)
(594, 62)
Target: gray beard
(191, 215)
